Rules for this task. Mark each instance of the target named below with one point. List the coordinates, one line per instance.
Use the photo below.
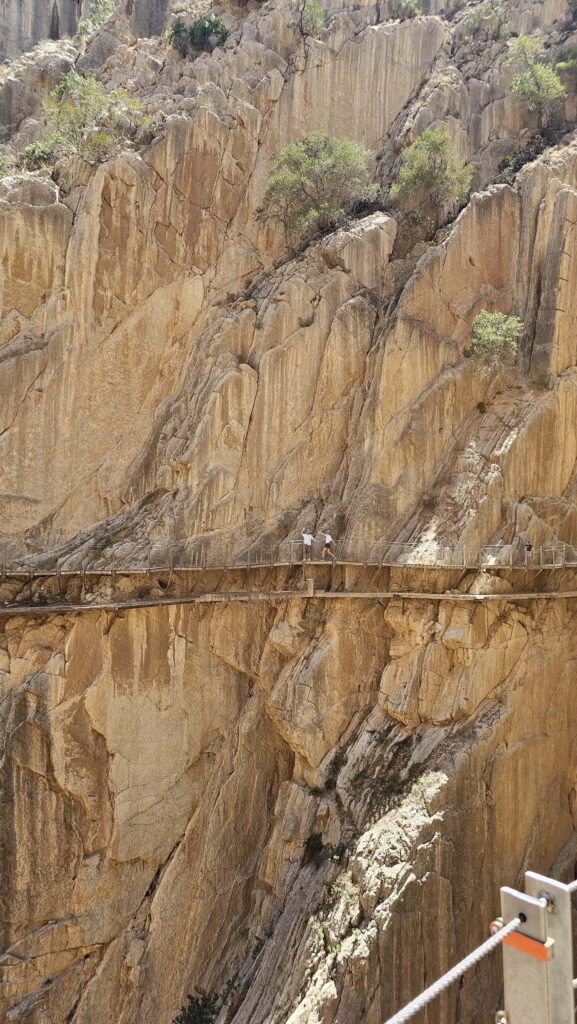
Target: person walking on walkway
(328, 548)
(528, 552)
(307, 536)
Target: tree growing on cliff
(99, 11)
(495, 338)
(535, 84)
(316, 183)
(488, 18)
(83, 119)
(430, 177)
(205, 33)
(313, 18)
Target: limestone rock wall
(163, 771)
(314, 801)
(23, 23)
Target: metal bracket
(538, 956)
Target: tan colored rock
(316, 797)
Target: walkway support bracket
(538, 957)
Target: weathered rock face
(26, 22)
(23, 23)
(316, 800)
(163, 771)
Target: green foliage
(338, 852)
(6, 164)
(313, 18)
(535, 84)
(524, 50)
(204, 34)
(100, 10)
(566, 62)
(316, 183)
(37, 154)
(541, 90)
(199, 1009)
(208, 32)
(494, 338)
(510, 165)
(430, 176)
(83, 118)
(177, 35)
(489, 17)
(409, 9)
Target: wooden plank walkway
(278, 595)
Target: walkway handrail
(455, 973)
(424, 555)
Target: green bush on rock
(313, 18)
(409, 9)
(430, 177)
(6, 164)
(488, 18)
(205, 33)
(199, 1009)
(316, 183)
(82, 118)
(495, 338)
(100, 10)
(208, 32)
(535, 84)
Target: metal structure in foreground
(535, 935)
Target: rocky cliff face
(25, 22)
(313, 801)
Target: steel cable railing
(456, 972)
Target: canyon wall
(306, 803)
(165, 770)
(26, 22)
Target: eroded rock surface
(312, 802)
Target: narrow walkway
(276, 595)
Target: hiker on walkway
(307, 536)
(528, 552)
(327, 550)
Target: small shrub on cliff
(177, 35)
(409, 9)
(510, 165)
(313, 18)
(316, 183)
(36, 154)
(430, 177)
(566, 63)
(207, 32)
(488, 18)
(199, 1009)
(535, 84)
(6, 164)
(83, 118)
(100, 10)
(495, 337)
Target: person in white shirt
(327, 550)
(307, 536)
